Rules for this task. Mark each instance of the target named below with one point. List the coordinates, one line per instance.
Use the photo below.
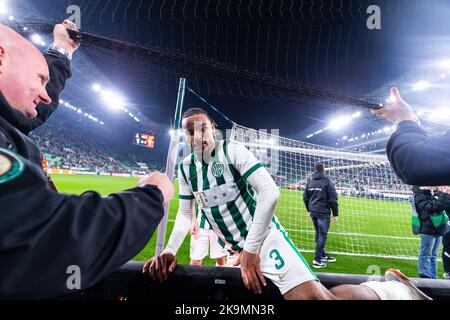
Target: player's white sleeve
(186, 210)
(268, 193)
(182, 225)
(266, 201)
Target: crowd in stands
(64, 147)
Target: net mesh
(374, 205)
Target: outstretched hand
(398, 110)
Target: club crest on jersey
(217, 169)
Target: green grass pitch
(297, 227)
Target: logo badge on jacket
(10, 166)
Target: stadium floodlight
(37, 39)
(339, 123)
(114, 100)
(391, 99)
(421, 85)
(387, 129)
(309, 136)
(171, 132)
(96, 87)
(344, 138)
(11, 18)
(443, 75)
(356, 115)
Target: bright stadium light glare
(113, 100)
(356, 115)
(445, 64)
(11, 18)
(339, 123)
(171, 132)
(391, 99)
(421, 85)
(96, 87)
(36, 38)
(4, 9)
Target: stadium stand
(68, 147)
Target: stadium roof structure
(224, 46)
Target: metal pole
(171, 163)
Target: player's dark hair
(196, 111)
(319, 167)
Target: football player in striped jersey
(237, 196)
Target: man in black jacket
(428, 205)
(417, 157)
(48, 238)
(321, 199)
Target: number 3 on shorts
(274, 254)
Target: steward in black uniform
(43, 234)
(320, 198)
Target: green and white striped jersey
(221, 190)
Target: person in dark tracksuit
(430, 238)
(45, 236)
(321, 201)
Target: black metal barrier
(189, 283)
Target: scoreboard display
(144, 140)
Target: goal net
(374, 205)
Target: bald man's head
(23, 73)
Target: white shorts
(201, 241)
(281, 261)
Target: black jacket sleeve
(417, 158)
(59, 70)
(332, 198)
(429, 204)
(306, 196)
(43, 233)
